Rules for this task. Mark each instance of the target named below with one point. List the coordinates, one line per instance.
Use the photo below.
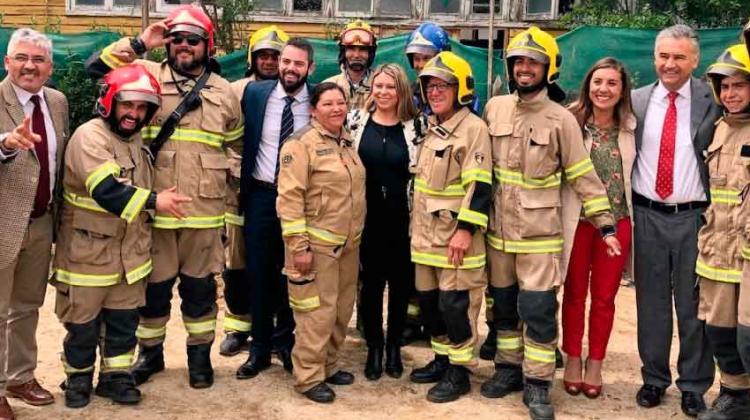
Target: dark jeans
(265, 259)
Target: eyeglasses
(191, 39)
(36, 59)
(439, 87)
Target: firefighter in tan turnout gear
(193, 159)
(536, 145)
(103, 249)
(321, 204)
(357, 47)
(263, 51)
(724, 293)
(450, 212)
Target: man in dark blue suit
(273, 110)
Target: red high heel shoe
(591, 391)
(573, 388)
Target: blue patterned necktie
(287, 128)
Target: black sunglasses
(192, 40)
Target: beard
(185, 66)
(357, 65)
(116, 126)
(291, 87)
(530, 89)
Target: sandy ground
(270, 395)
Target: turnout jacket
(103, 238)
(356, 97)
(193, 159)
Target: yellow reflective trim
(581, 168)
(441, 261)
(186, 134)
(440, 348)
(725, 196)
(538, 355)
(595, 205)
(139, 272)
(135, 204)
(235, 134)
(746, 253)
(717, 274)
(143, 332)
(476, 175)
(190, 222)
(234, 323)
(86, 280)
(83, 202)
(454, 190)
(71, 370)
(121, 362)
(473, 217)
(507, 176)
(526, 246)
(202, 327)
(293, 227)
(413, 310)
(110, 59)
(326, 236)
(464, 355)
(234, 219)
(99, 174)
(509, 343)
(304, 305)
(489, 301)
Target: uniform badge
(286, 160)
(479, 157)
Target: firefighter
(536, 144)
(720, 258)
(357, 46)
(103, 246)
(452, 192)
(191, 247)
(263, 51)
(321, 204)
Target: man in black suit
(676, 116)
(265, 104)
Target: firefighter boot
(199, 365)
(507, 379)
(233, 343)
(118, 387)
(77, 389)
(433, 372)
(536, 397)
(489, 347)
(150, 361)
(729, 405)
(455, 383)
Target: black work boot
(536, 397)
(233, 343)
(199, 365)
(489, 347)
(433, 372)
(507, 379)
(729, 405)
(77, 389)
(394, 367)
(150, 361)
(455, 383)
(374, 363)
(118, 387)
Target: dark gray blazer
(703, 115)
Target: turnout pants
(195, 256)
(523, 290)
(237, 290)
(450, 300)
(743, 318)
(322, 309)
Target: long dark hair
(583, 108)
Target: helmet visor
(357, 37)
(189, 28)
(529, 53)
(134, 95)
(441, 74)
(421, 49)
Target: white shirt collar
(683, 92)
(301, 96)
(24, 96)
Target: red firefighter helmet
(129, 83)
(191, 18)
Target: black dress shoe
(320, 393)
(253, 366)
(374, 363)
(340, 378)
(649, 396)
(393, 365)
(285, 356)
(692, 403)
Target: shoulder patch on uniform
(324, 152)
(286, 160)
(478, 157)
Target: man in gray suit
(676, 116)
(33, 130)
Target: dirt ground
(270, 395)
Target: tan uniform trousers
(22, 288)
(720, 305)
(536, 273)
(234, 253)
(321, 330)
(429, 278)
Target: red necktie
(665, 171)
(41, 201)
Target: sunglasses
(192, 40)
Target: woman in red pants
(604, 112)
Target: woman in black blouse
(385, 135)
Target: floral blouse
(605, 153)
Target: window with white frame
(450, 7)
(167, 5)
(307, 5)
(105, 5)
(355, 6)
(541, 8)
(269, 6)
(483, 7)
(375, 7)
